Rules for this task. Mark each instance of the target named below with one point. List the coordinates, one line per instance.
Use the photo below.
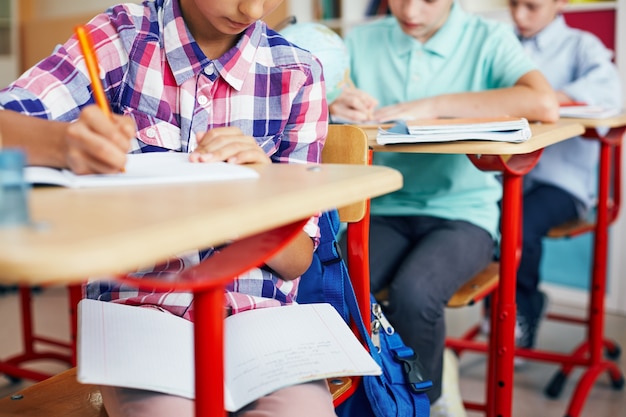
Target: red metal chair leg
(13, 365)
(587, 382)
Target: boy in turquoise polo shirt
(430, 59)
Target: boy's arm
(531, 97)
(40, 139)
(596, 80)
(92, 144)
(295, 259)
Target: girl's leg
(312, 399)
(126, 402)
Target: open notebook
(144, 168)
(266, 349)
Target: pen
(86, 45)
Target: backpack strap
(331, 258)
(403, 354)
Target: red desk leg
(503, 351)
(589, 353)
(209, 352)
(502, 341)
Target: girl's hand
(97, 144)
(228, 144)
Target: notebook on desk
(143, 169)
(502, 129)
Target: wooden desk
(88, 232)
(543, 134)
(514, 160)
(91, 232)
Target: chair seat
(570, 229)
(58, 396)
(481, 285)
(338, 386)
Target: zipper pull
(377, 311)
(376, 334)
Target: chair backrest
(347, 144)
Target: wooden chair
(59, 396)
(63, 396)
(348, 145)
(474, 290)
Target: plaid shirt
(153, 70)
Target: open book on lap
(266, 349)
(143, 169)
(502, 129)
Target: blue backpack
(401, 389)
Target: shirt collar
(442, 43)
(547, 35)
(186, 59)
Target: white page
(134, 347)
(292, 344)
(145, 168)
(266, 349)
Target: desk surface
(544, 134)
(88, 232)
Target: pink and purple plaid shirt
(154, 71)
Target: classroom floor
(531, 378)
(51, 319)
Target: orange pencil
(86, 45)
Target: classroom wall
(8, 42)
(56, 8)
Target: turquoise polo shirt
(468, 53)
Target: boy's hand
(410, 110)
(96, 144)
(354, 104)
(228, 144)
